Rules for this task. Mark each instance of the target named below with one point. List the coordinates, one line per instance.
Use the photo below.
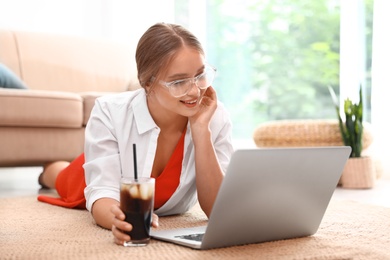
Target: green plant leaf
(352, 128)
(343, 130)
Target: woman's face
(188, 63)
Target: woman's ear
(148, 87)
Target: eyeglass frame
(194, 81)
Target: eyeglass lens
(202, 81)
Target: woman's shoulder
(126, 95)
(120, 99)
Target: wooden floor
(22, 181)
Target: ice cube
(145, 191)
(133, 190)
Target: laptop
(267, 194)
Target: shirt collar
(142, 116)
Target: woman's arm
(209, 173)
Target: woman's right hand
(119, 224)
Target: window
(275, 59)
(279, 57)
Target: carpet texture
(34, 230)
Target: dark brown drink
(136, 202)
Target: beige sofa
(64, 75)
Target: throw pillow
(8, 79)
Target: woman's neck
(166, 120)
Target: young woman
(181, 131)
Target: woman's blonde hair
(158, 46)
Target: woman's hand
(208, 105)
(119, 225)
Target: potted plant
(358, 171)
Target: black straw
(135, 162)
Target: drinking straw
(135, 162)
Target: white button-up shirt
(116, 122)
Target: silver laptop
(266, 195)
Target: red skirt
(70, 183)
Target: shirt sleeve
(102, 161)
(221, 127)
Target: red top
(70, 183)
(168, 181)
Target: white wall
(119, 20)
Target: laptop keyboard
(194, 237)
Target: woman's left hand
(154, 221)
(207, 107)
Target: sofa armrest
(89, 101)
(40, 108)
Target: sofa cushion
(74, 64)
(9, 55)
(36, 108)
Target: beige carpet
(33, 230)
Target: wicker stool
(314, 133)
(301, 133)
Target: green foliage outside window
(275, 58)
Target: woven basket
(359, 173)
(301, 133)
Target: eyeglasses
(180, 88)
